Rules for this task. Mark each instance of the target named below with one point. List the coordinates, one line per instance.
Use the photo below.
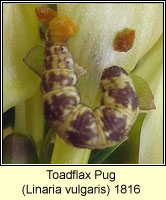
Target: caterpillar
(74, 122)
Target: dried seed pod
(45, 15)
(124, 40)
(74, 122)
(19, 149)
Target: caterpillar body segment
(58, 57)
(59, 104)
(119, 91)
(74, 122)
(112, 125)
(57, 78)
(80, 128)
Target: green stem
(29, 118)
(20, 119)
(35, 118)
(64, 153)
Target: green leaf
(149, 67)
(152, 133)
(143, 91)
(101, 155)
(151, 141)
(47, 148)
(35, 59)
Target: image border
(57, 2)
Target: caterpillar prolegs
(74, 122)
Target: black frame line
(58, 2)
(97, 2)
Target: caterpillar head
(61, 29)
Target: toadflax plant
(93, 49)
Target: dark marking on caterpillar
(81, 131)
(112, 72)
(113, 124)
(74, 122)
(125, 96)
(52, 81)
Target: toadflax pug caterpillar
(74, 122)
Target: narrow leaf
(152, 133)
(101, 155)
(145, 96)
(35, 59)
(151, 141)
(47, 147)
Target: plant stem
(35, 118)
(29, 118)
(20, 119)
(64, 153)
